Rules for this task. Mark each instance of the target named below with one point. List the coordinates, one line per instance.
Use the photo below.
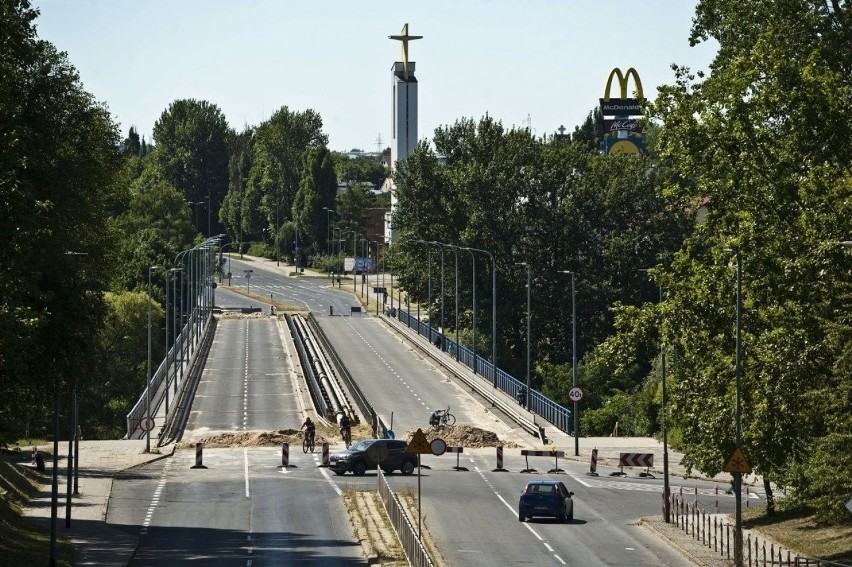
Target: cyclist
(309, 427)
(345, 427)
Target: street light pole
(529, 314)
(574, 381)
(493, 313)
(148, 385)
(738, 477)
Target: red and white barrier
(593, 465)
(499, 460)
(635, 460)
(526, 453)
(199, 449)
(325, 460)
(285, 455)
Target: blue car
(546, 498)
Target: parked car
(369, 454)
(546, 498)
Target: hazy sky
(545, 61)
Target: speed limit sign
(575, 393)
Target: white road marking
(245, 461)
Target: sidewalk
(95, 542)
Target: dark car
(369, 454)
(546, 498)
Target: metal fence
(717, 534)
(411, 543)
(558, 415)
(138, 412)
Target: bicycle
(443, 417)
(308, 442)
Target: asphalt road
(245, 510)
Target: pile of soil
(249, 439)
(462, 436)
(240, 315)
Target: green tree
(192, 140)
(59, 159)
(760, 141)
(277, 168)
(317, 190)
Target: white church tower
(404, 116)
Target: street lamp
(328, 230)
(148, 386)
(529, 316)
(738, 476)
(666, 488)
(169, 271)
(493, 313)
(574, 381)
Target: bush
(621, 408)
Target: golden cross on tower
(405, 38)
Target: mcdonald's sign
(622, 106)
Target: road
(245, 510)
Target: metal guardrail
(366, 409)
(558, 415)
(408, 537)
(137, 413)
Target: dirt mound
(462, 436)
(249, 439)
(240, 315)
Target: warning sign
(419, 444)
(737, 463)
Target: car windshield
(361, 445)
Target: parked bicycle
(442, 417)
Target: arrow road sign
(636, 460)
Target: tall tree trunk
(770, 498)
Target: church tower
(404, 117)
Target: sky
(536, 63)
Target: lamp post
(529, 314)
(169, 271)
(328, 230)
(738, 477)
(574, 381)
(441, 246)
(493, 313)
(148, 385)
(428, 291)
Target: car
(546, 498)
(370, 454)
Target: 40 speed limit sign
(575, 393)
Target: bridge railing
(558, 415)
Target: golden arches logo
(622, 83)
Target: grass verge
(799, 531)
(21, 541)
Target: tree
(760, 141)
(277, 167)
(59, 159)
(317, 190)
(192, 140)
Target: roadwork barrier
(199, 450)
(526, 453)
(635, 460)
(499, 461)
(285, 455)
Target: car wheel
(407, 467)
(339, 473)
(571, 515)
(520, 517)
(359, 469)
(387, 471)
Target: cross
(405, 38)
(561, 131)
